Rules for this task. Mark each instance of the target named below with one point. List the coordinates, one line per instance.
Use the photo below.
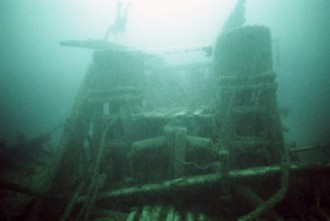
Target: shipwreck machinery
(134, 149)
(125, 160)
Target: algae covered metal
(125, 160)
(140, 146)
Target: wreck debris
(277, 197)
(247, 109)
(189, 185)
(236, 18)
(121, 159)
(147, 156)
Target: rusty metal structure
(124, 160)
(137, 147)
(246, 97)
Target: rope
(277, 197)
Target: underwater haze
(39, 79)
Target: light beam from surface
(158, 23)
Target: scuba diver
(119, 25)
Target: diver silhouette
(119, 25)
